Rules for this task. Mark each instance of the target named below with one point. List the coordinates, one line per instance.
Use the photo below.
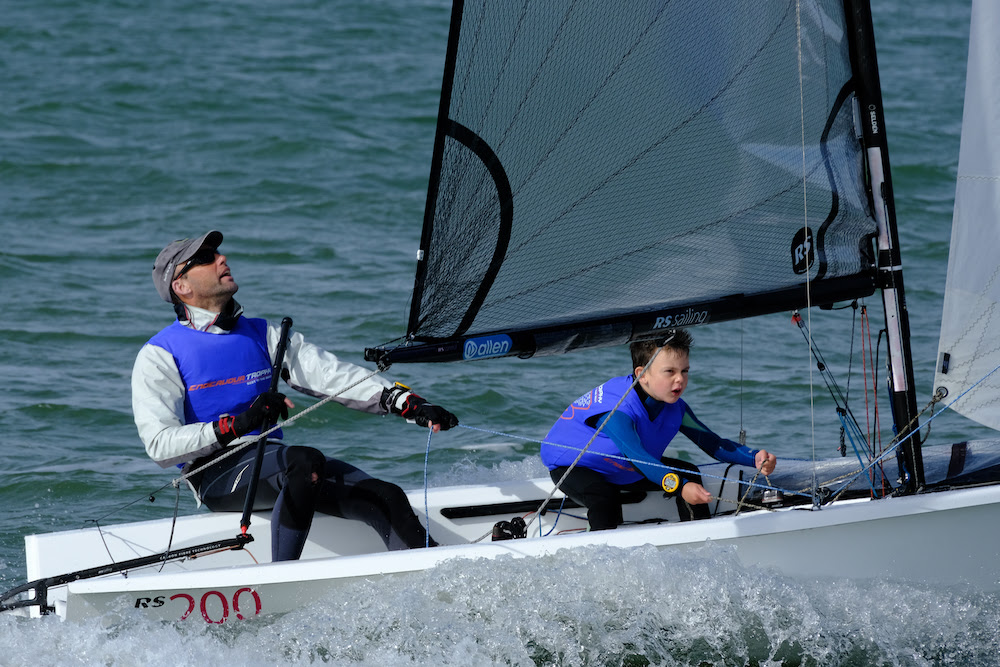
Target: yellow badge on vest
(671, 481)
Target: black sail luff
(434, 183)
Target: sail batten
(596, 166)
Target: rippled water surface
(303, 131)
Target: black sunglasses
(200, 258)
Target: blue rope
(620, 458)
(559, 514)
(849, 427)
(892, 448)
(881, 457)
(864, 468)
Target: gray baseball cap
(177, 253)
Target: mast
(890, 270)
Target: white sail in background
(969, 347)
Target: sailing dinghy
(597, 179)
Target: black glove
(265, 409)
(419, 410)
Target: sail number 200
(214, 605)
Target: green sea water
(303, 130)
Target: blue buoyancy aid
(572, 432)
(222, 373)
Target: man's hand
(427, 414)
(695, 494)
(266, 408)
(765, 462)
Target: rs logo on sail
(803, 255)
(490, 346)
(683, 319)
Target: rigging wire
(600, 428)
(805, 229)
(812, 491)
(625, 459)
(173, 525)
(850, 427)
(875, 443)
(234, 449)
(743, 431)
(850, 369)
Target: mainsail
(602, 175)
(969, 348)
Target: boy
(627, 453)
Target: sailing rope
(897, 441)
(230, 451)
(849, 423)
(427, 510)
(875, 425)
(739, 503)
(850, 477)
(805, 230)
(600, 428)
(937, 398)
(743, 431)
(227, 453)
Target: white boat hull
(928, 539)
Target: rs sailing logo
(803, 255)
(681, 319)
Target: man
(628, 452)
(201, 385)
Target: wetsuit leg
(685, 511)
(589, 488)
(222, 487)
(287, 487)
(296, 502)
(351, 493)
(342, 491)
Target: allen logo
(488, 346)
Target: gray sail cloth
(599, 164)
(177, 253)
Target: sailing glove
(265, 409)
(420, 411)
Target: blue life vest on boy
(222, 373)
(603, 456)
